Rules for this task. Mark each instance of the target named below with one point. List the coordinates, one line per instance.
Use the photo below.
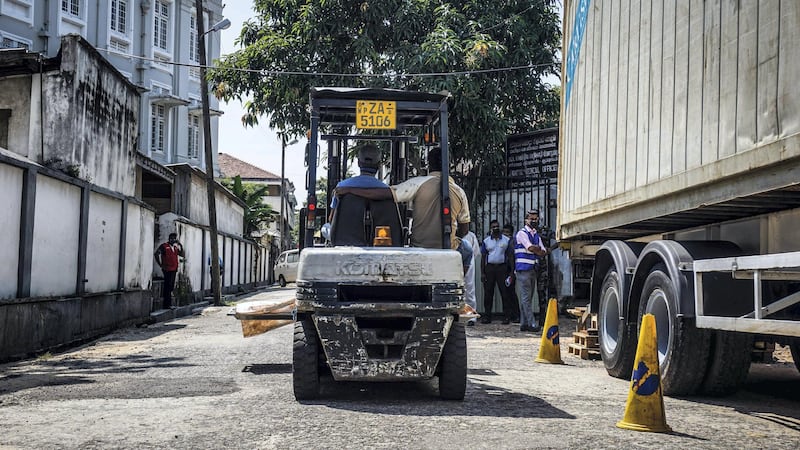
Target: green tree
(506, 46)
(257, 215)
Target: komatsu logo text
(410, 269)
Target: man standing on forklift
(425, 193)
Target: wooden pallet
(762, 352)
(586, 338)
(583, 352)
(577, 311)
(585, 344)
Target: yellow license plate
(376, 115)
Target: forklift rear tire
(305, 361)
(453, 364)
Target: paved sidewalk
(166, 315)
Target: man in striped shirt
(529, 248)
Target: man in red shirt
(167, 257)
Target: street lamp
(209, 155)
(283, 182)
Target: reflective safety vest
(525, 260)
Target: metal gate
(507, 199)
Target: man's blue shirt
(360, 181)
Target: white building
(141, 38)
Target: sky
(259, 145)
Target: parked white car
(286, 267)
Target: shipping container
(679, 179)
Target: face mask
(495, 230)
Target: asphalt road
(197, 383)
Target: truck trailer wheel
(305, 361)
(453, 364)
(617, 340)
(729, 362)
(682, 348)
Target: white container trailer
(679, 180)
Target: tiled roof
(229, 167)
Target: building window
(162, 61)
(158, 127)
(14, 42)
(71, 7)
(119, 46)
(119, 16)
(18, 9)
(194, 48)
(194, 136)
(161, 25)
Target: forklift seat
(359, 211)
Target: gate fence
(507, 199)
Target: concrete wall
(194, 263)
(62, 230)
(105, 225)
(230, 215)
(240, 258)
(17, 97)
(11, 199)
(88, 106)
(138, 241)
(43, 324)
(56, 227)
(58, 206)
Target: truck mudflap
(357, 353)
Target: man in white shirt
(496, 269)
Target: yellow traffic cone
(550, 350)
(645, 408)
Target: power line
(330, 74)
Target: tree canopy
(490, 55)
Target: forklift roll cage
(334, 108)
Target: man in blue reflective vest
(528, 250)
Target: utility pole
(283, 185)
(209, 154)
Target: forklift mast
(396, 117)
